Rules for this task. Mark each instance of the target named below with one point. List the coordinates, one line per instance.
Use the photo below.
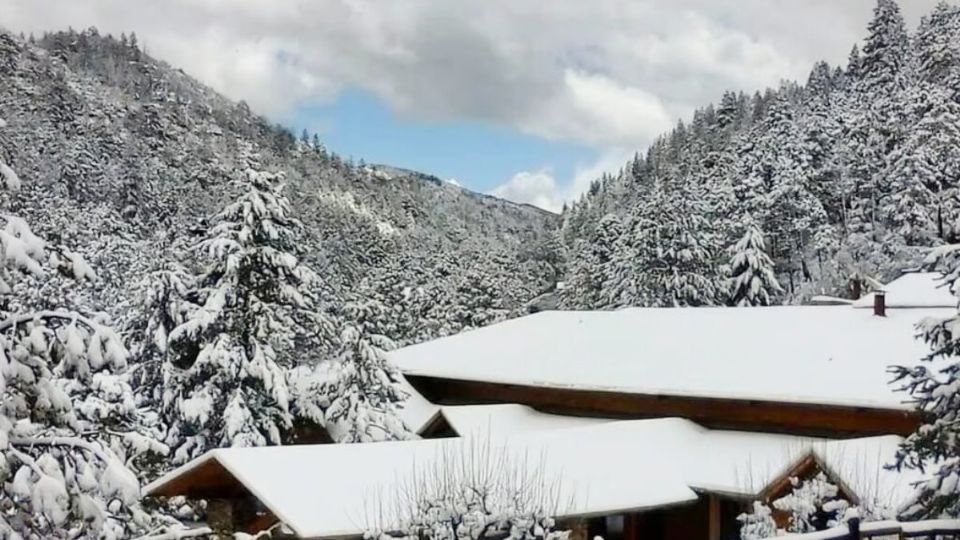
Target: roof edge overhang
(212, 477)
(799, 418)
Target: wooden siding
(747, 415)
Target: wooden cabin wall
(710, 518)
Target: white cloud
(538, 188)
(606, 73)
(541, 188)
(595, 109)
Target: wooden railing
(936, 529)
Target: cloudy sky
(528, 99)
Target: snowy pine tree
(227, 362)
(752, 281)
(357, 395)
(933, 388)
(159, 305)
(589, 266)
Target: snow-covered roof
(500, 419)
(606, 468)
(825, 300)
(797, 354)
(333, 490)
(914, 290)
(508, 419)
(416, 412)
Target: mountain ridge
(98, 128)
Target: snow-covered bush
(813, 504)
(473, 491)
(758, 524)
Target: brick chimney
(880, 303)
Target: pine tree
(590, 264)
(885, 50)
(676, 251)
(883, 80)
(925, 172)
(228, 362)
(360, 388)
(752, 281)
(159, 304)
(932, 386)
(937, 51)
(478, 301)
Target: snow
(416, 412)
(862, 464)
(508, 418)
(333, 490)
(876, 526)
(10, 179)
(81, 270)
(772, 353)
(825, 300)
(480, 420)
(914, 290)
(607, 468)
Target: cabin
(659, 423)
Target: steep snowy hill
(125, 155)
(853, 174)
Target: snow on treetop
(914, 290)
(798, 354)
(610, 467)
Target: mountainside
(122, 156)
(794, 191)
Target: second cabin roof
(829, 355)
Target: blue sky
(478, 155)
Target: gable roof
(332, 490)
(913, 290)
(828, 355)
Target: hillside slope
(122, 155)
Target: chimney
(880, 303)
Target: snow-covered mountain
(122, 155)
(850, 175)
